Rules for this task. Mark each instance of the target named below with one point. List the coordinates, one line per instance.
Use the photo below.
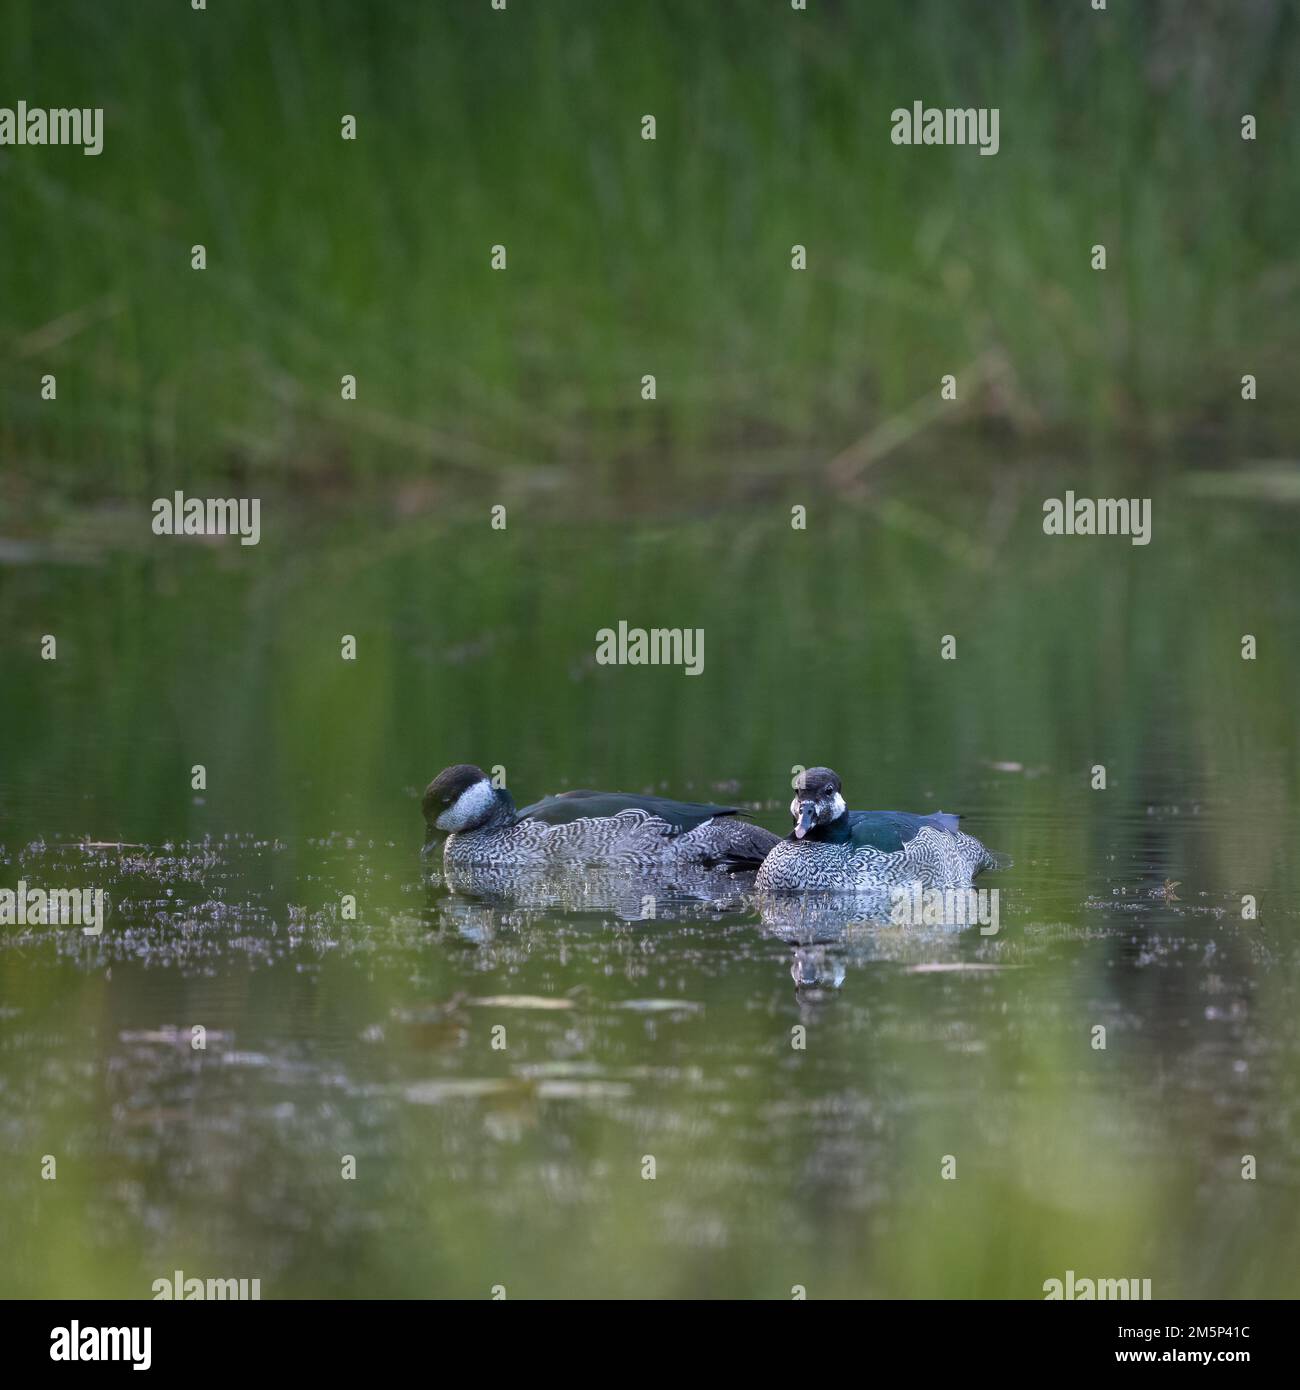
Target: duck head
(817, 800)
(459, 798)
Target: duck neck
(832, 831)
(503, 814)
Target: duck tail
(745, 849)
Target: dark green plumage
(887, 831)
(576, 805)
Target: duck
(834, 849)
(484, 828)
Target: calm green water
(672, 1038)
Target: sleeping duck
(833, 848)
(484, 828)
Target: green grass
(625, 256)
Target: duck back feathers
(886, 831)
(681, 816)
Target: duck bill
(804, 823)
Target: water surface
(800, 1080)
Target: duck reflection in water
(831, 931)
(485, 894)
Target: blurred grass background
(627, 257)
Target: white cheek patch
(838, 807)
(794, 809)
(473, 805)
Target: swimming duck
(484, 828)
(834, 848)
